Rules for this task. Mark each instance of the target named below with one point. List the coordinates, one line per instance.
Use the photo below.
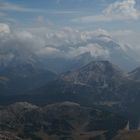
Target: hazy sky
(62, 22)
(85, 14)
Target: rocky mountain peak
(95, 72)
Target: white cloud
(66, 42)
(94, 49)
(119, 10)
(45, 42)
(4, 28)
(122, 10)
(50, 52)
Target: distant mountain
(61, 65)
(103, 82)
(20, 77)
(98, 74)
(72, 53)
(121, 55)
(99, 47)
(99, 83)
(65, 120)
(96, 82)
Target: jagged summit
(102, 72)
(103, 65)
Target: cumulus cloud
(64, 43)
(122, 10)
(41, 41)
(95, 50)
(17, 44)
(119, 10)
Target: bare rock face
(101, 73)
(95, 82)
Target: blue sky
(83, 14)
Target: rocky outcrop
(61, 120)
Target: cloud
(50, 52)
(119, 10)
(62, 43)
(4, 28)
(44, 42)
(128, 37)
(95, 50)
(122, 10)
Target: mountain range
(97, 47)
(18, 78)
(99, 83)
(89, 79)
